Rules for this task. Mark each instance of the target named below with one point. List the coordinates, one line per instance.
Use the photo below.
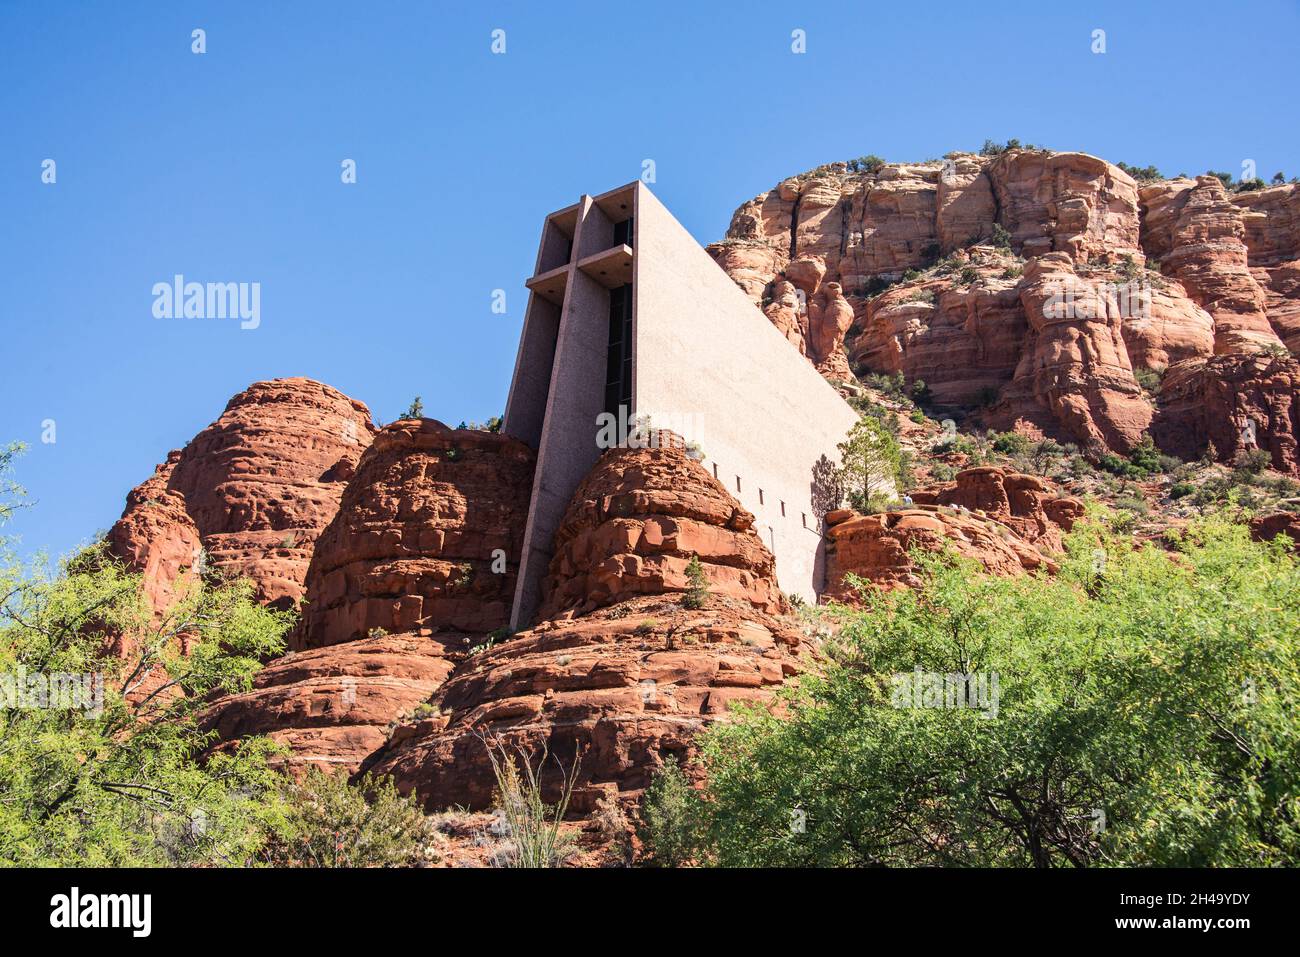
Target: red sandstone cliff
(619, 689)
(249, 494)
(1219, 273)
(1008, 522)
(428, 533)
(404, 581)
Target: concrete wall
(567, 448)
(707, 364)
(711, 366)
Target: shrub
(1043, 452)
(337, 824)
(1145, 457)
(917, 416)
(697, 591)
(1253, 461)
(865, 164)
(1131, 503)
(969, 275)
(1001, 238)
(92, 780)
(1150, 691)
(413, 411)
(955, 442)
(1181, 490)
(1011, 443)
(1141, 173)
(894, 385)
(1110, 462)
(1148, 379)
(669, 817)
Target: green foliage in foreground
(1146, 716)
(107, 783)
(337, 824)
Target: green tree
(870, 461)
(95, 780)
(697, 590)
(1145, 716)
(670, 815)
(416, 410)
(122, 781)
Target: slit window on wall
(783, 509)
(803, 517)
(737, 483)
(715, 469)
(760, 496)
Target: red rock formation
(410, 551)
(1171, 329)
(1201, 241)
(1271, 218)
(332, 707)
(620, 690)
(428, 535)
(252, 491)
(1238, 402)
(828, 320)
(1264, 528)
(1071, 203)
(786, 313)
(632, 682)
(1032, 507)
(634, 524)
(1006, 521)
(1075, 364)
(963, 341)
(156, 537)
(1230, 283)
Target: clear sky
(225, 167)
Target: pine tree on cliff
(415, 410)
(697, 591)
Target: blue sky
(225, 166)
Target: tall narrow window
(623, 233)
(618, 364)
